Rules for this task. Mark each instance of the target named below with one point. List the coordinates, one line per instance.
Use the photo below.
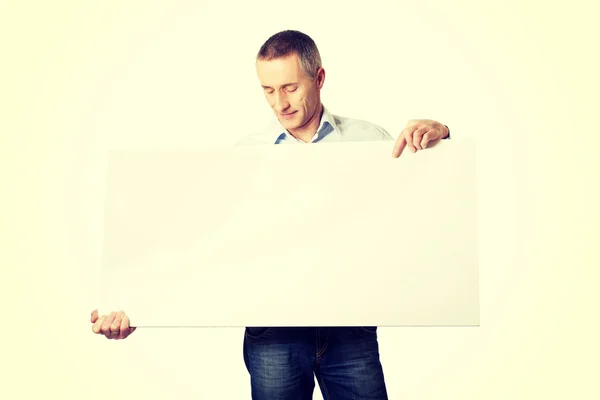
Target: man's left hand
(417, 134)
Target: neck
(308, 130)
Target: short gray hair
(288, 42)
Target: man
(283, 361)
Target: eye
(292, 89)
(269, 91)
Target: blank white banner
(303, 235)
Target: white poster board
(304, 235)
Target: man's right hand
(113, 326)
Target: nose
(281, 102)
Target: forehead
(279, 71)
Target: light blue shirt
(332, 128)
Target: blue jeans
(283, 363)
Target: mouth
(288, 115)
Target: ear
(320, 77)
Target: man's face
(293, 96)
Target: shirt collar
(326, 126)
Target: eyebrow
(284, 85)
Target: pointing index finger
(399, 146)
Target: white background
(79, 78)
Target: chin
(288, 124)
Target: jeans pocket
(256, 332)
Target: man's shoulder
(359, 129)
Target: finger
(129, 329)
(107, 323)
(115, 327)
(399, 146)
(418, 136)
(94, 316)
(126, 330)
(97, 327)
(425, 140)
(408, 136)
(114, 335)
